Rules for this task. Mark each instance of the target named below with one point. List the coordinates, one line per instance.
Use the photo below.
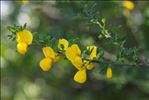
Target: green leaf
(103, 20)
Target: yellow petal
(77, 62)
(48, 52)
(80, 76)
(22, 48)
(94, 51)
(109, 73)
(46, 64)
(64, 43)
(90, 66)
(24, 36)
(73, 52)
(128, 4)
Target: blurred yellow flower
(80, 76)
(50, 56)
(24, 1)
(128, 5)
(63, 44)
(24, 38)
(109, 73)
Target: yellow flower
(109, 73)
(63, 44)
(22, 47)
(24, 1)
(73, 51)
(77, 62)
(80, 76)
(46, 64)
(128, 4)
(48, 52)
(94, 51)
(24, 36)
(92, 55)
(73, 54)
(50, 56)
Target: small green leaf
(103, 20)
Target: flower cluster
(24, 38)
(73, 53)
(82, 61)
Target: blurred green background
(21, 77)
